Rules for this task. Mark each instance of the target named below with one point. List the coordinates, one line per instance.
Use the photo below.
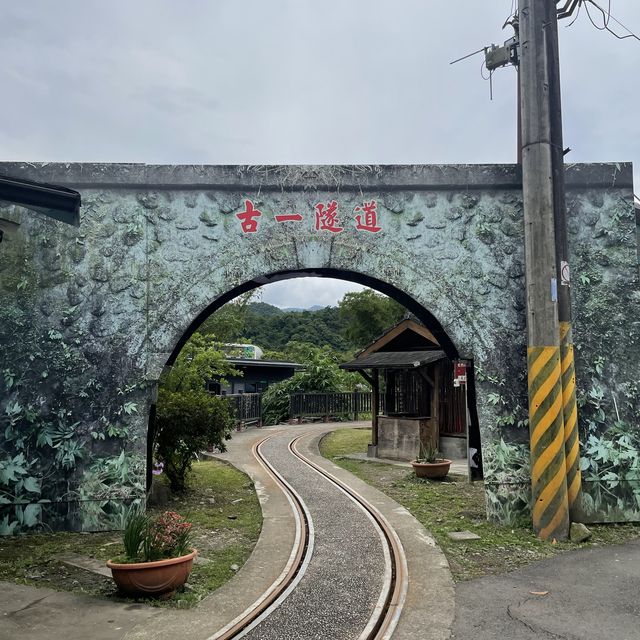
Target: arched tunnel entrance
(107, 306)
(404, 298)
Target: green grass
(222, 505)
(456, 505)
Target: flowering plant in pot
(158, 555)
(430, 463)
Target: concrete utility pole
(546, 424)
(570, 407)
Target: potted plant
(430, 463)
(158, 556)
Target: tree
(273, 328)
(188, 418)
(229, 321)
(321, 374)
(367, 314)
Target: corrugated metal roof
(394, 359)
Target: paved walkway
(582, 595)
(345, 569)
(338, 592)
(589, 594)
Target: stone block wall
(91, 315)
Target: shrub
(148, 539)
(321, 374)
(188, 423)
(188, 418)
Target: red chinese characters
(288, 217)
(370, 217)
(327, 217)
(249, 217)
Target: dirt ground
(226, 516)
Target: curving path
(331, 582)
(353, 577)
(341, 584)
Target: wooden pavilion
(414, 400)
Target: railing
(326, 405)
(247, 408)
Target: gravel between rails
(337, 595)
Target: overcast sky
(296, 82)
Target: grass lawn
(455, 505)
(225, 512)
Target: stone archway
(94, 313)
(425, 316)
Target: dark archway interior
(426, 317)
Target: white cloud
(292, 81)
(307, 292)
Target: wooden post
(569, 404)
(375, 409)
(355, 406)
(435, 406)
(546, 425)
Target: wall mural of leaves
(91, 314)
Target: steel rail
(293, 570)
(387, 612)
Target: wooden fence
(247, 408)
(327, 405)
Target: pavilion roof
(394, 360)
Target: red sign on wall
(459, 373)
(327, 217)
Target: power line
(577, 16)
(606, 19)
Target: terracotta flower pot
(158, 578)
(433, 470)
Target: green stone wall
(90, 315)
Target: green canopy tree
(228, 323)
(367, 314)
(321, 374)
(188, 418)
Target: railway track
(389, 605)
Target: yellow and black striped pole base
(570, 416)
(546, 429)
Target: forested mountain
(357, 320)
(272, 328)
(314, 307)
(264, 309)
